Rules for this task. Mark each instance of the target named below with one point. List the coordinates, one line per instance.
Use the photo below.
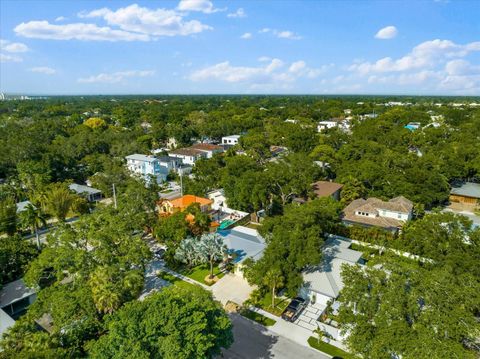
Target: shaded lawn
(175, 281)
(329, 349)
(199, 272)
(280, 304)
(259, 318)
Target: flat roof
(13, 292)
(140, 157)
(467, 189)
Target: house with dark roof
(373, 212)
(90, 193)
(467, 192)
(188, 155)
(207, 148)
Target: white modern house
(147, 167)
(326, 125)
(188, 155)
(230, 140)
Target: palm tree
(104, 291)
(58, 200)
(210, 249)
(32, 218)
(273, 279)
(319, 333)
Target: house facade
(188, 155)
(373, 212)
(230, 140)
(146, 167)
(466, 193)
(207, 148)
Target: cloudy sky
(203, 46)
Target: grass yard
(259, 318)
(253, 225)
(199, 272)
(329, 349)
(280, 304)
(174, 280)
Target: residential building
(169, 162)
(170, 206)
(230, 140)
(207, 148)
(147, 167)
(327, 189)
(326, 125)
(15, 298)
(188, 155)
(467, 193)
(90, 193)
(324, 282)
(373, 212)
(242, 243)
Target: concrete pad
(232, 288)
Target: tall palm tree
(58, 200)
(105, 293)
(33, 218)
(273, 279)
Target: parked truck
(294, 309)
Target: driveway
(232, 288)
(254, 341)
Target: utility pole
(114, 196)
(181, 185)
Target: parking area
(232, 288)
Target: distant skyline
(240, 47)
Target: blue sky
(240, 47)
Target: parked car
(294, 309)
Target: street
(254, 341)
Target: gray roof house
(90, 193)
(21, 206)
(325, 279)
(244, 242)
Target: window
(399, 216)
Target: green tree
(8, 216)
(273, 279)
(58, 201)
(187, 251)
(15, 255)
(173, 323)
(33, 219)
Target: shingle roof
(468, 189)
(206, 147)
(325, 188)
(186, 152)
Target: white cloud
(388, 32)
(271, 71)
(423, 56)
(10, 58)
(282, 34)
(11, 48)
(159, 22)
(247, 35)
(43, 70)
(204, 6)
(60, 18)
(116, 76)
(76, 31)
(237, 14)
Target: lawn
(329, 349)
(259, 318)
(174, 280)
(280, 304)
(199, 272)
(253, 225)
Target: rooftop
(467, 189)
(244, 242)
(206, 147)
(13, 292)
(232, 137)
(79, 188)
(189, 199)
(325, 188)
(140, 157)
(186, 152)
(21, 206)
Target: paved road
(254, 341)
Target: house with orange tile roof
(170, 206)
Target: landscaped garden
(329, 349)
(200, 272)
(259, 318)
(175, 280)
(265, 302)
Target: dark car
(294, 309)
